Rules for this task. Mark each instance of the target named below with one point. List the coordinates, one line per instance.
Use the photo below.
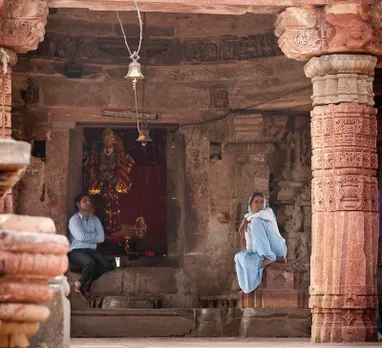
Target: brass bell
(134, 72)
(144, 135)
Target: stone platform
(200, 322)
(206, 343)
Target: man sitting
(85, 232)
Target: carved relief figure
(353, 34)
(108, 174)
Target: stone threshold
(191, 322)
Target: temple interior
(224, 113)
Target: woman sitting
(261, 241)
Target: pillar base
(344, 325)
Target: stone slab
(209, 322)
(206, 342)
(269, 322)
(132, 323)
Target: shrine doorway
(140, 207)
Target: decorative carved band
(347, 300)
(344, 193)
(346, 124)
(22, 24)
(350, 26)
(342, 78)
(344, 325)
(341, 64)
(250, 147)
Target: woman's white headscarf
(266, 214)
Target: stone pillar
(344, 199)
(30, 255)
(344, 162)
(7, 59)
(22, 29)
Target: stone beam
(189, 6)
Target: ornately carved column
(344, 162)
(22, 28)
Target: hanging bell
(144, 135)
(134, 72)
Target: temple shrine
(238, 96)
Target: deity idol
(108, 174)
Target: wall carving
(340, 27)
(169, 51)
(23, 23)
(294, 196)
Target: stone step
(199, 322)
(133, 281)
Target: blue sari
(263, 242)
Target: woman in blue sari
(263, 243)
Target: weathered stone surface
(344, 205)
(283, 286)
(217, 322)
(211, 322)
(23, 25)
(132, 323)
(342, 78)
(339, 27)
(174, 6)
(25, 269)
(56, 331)
(275, 323)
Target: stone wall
(197, 68)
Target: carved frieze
(344, 193)
(5, 104)
(22, 24)
(159, 51)
(235, 48)
(349, 26)
(250, 147)
(346, 124)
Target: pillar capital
(339, 27)
(22, 24)
(342, 78)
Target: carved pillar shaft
(8, 60)
(344, 198)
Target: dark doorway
(145, 199)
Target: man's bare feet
(265, 263)
(281, 259)
(85, 295)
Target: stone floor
(203, 343)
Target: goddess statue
(108, 173)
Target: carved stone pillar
(22, 29)
(30, 255)
(344, 162)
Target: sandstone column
(7, 61)
(22, 29)
(344, 162)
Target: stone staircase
(138, 302)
